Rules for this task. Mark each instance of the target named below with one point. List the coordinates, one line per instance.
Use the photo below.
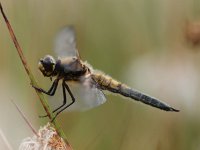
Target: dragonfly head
(47, 65)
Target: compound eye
(41, 60)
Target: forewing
(65, 43)
(86, 93)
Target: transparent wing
(65, 43)
(87, 96)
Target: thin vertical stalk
(31, 77)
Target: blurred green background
(146, 44)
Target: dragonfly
(90, 83)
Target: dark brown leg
(72, 97)
(64, 97)
(52, 89)
(50, 92)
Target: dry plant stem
(19, 50)
(26, 120)
(33, 81)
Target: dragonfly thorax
(70, 68)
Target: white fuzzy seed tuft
(46, 139)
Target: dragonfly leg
(64, 97)
(72, 97)
(50, 92)
(52, 89)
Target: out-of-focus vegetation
(146, 44)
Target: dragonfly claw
(52, 120)
(43, 116)
(37, 88)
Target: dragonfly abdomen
(107, 83)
